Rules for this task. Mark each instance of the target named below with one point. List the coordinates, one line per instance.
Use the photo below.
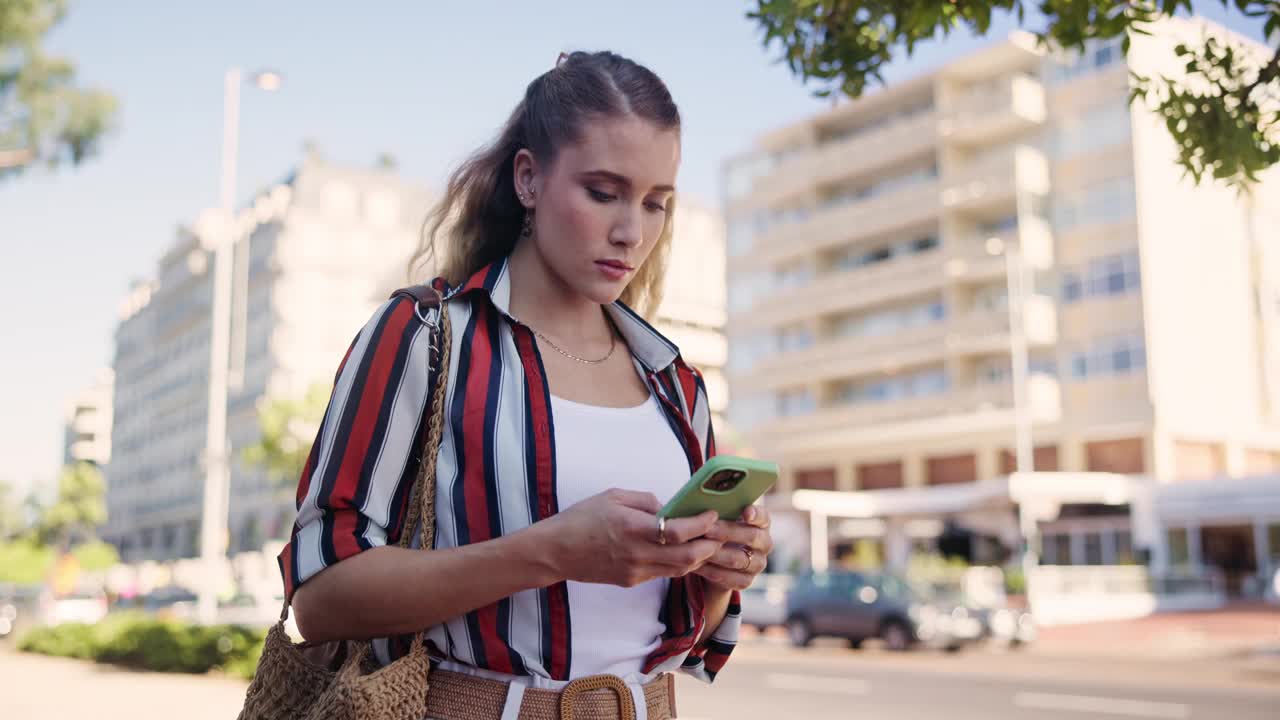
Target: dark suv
(858, 606)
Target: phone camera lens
(725, 480)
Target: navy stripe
(456, 414)
(379, 436)
(343, 431)
(495, 272)
(493, 396)
(531, 489)
(544, 594)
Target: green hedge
(149, 644)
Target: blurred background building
(87, 436)
(870, 334)
(317, 253)
(692, 312)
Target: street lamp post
(1016, 284)
(217, 463)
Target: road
(765, 680)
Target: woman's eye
(599, 196)
(656, 207)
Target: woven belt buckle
(570, 693)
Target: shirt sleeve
(708, 657)
(353, 492)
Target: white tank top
(599, 448)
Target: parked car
(859, 606)
(764, 604)
(250, 610)
(169, 602)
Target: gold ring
(662, 530)
(750, 555)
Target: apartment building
(87, 433)
(316, 254)
(871, 249)
(692, 311)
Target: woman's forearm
(715, 608)
(392, 590)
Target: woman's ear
(525, 173)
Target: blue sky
(427, 82)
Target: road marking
(817, 683)
(1093, 704)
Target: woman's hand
(732, 567)
(612, 538)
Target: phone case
(694, 498)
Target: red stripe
(286, 567)
(473, 483)
(689, 384)
(692, 448)
(376, 384)
(476, 281)
(558, 594)
(344, 533)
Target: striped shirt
(495, 474)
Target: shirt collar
(649, 346)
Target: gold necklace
(613, 345)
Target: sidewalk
(44, 687)
(1245, 632)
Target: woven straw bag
(337, 680)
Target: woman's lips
(613, 269)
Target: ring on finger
(662, 530)
(751, 554)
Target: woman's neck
(544, 302)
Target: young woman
(569, 421)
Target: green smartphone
(726, 484)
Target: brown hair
(478, 220)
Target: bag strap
(431, 310)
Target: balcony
(915, 205)
(995, 111)
(986, 331)
(840, 290)
(963, 410)
(847, 357)
(839, 160)
(993, 180)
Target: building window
(794, 338)
(1043, 459)
(1057, 549)
(920, 384)
(1072, 288)
(1124, 548)
(1119, 355)
(1179, 548)
(816, 479)
(951, 469)
(888, 322)
(795, 402)
(924, 244)
(1092, 548)
(879, 476)
(1113, 275)
(1116, 456)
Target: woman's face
(602, 204)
